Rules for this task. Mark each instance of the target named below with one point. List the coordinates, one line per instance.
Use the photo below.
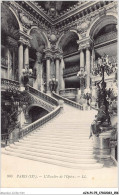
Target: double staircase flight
(63, 141)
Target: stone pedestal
(102, 144)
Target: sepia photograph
(59, 94)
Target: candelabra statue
(26, 73)
(103, 66)
(102, 122)
(82, 74)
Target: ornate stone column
(61, 79)
(81, 50)
(93, 57)
(47, 74)
(81, 58)
(20, 59)
(26, 55)
(48, 57)
(39, 71)
(58, 58)
(88, 67)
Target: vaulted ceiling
(60, 6)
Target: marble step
(55, 157)
(56, 147)
(54, 162)
(66, 138)
(84, 155)
(53, 149)
(60, 141)
(64, 130)
(52, 144)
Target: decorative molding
(53, 54)
(71, 18)
(25, 20)
(82, 27)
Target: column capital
(48, 53)
(57, 57)
(53, 54)
(85, 43)
(24, 42)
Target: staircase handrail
(68, 90)
(39, 122)
(43, 96)
(67, 101)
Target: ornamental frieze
(53, 54)
(25, 20)
(82, 27)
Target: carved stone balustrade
(69, 93)
(10, 85)
(106, 37)
(71, 70)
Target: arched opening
(36, 55)
(104, 35)
(9, 43)
(36, 112)
(70, 46)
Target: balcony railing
(67, 91)
(10, 85)
(67, 101)
(71, 70)
(106, 37)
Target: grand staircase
(63, 141)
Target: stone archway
(36, 112)
(68, 44)
(99, 23)
(10, 27)
(103, 32)
(38, 43)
